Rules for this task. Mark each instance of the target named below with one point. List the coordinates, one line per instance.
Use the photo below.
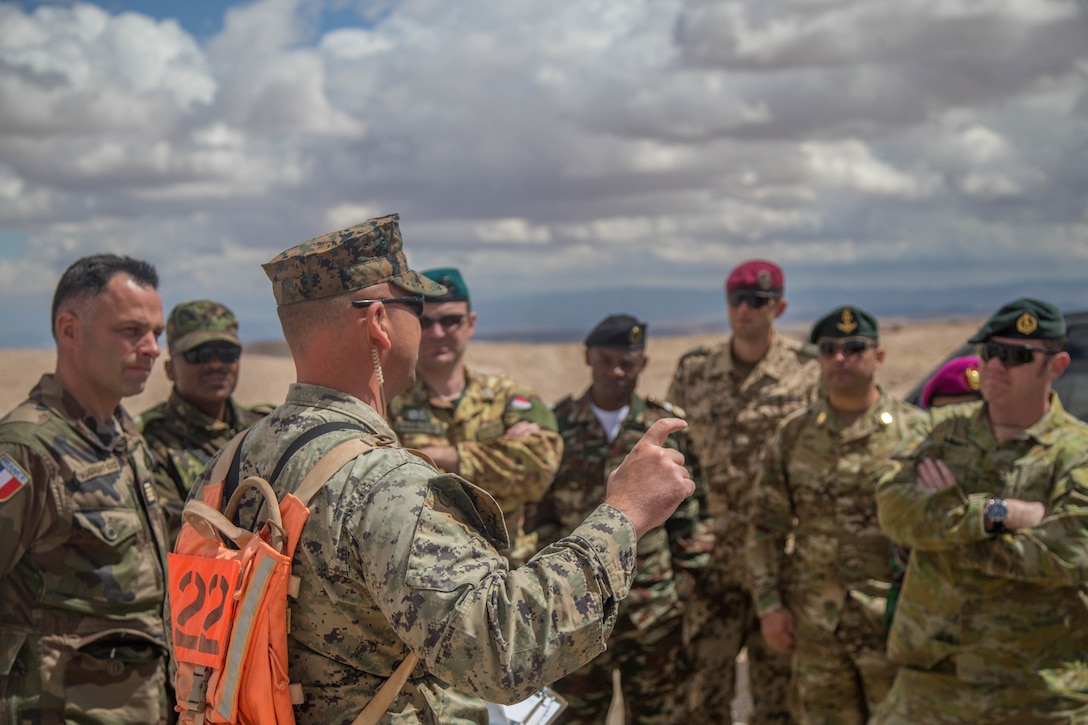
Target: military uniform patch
(519, 402)
(416, 414)
(12, 478)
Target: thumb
(657, 433)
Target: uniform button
(114, 668)
(109, 532)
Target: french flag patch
(520, 402)
(12, 477)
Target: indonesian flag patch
(12, 478)
(520, 402)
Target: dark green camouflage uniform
(182, 439)
(397, 556)
(990, 628)
(515, 471)
(647, 638)
(82, 560)
(817, 487)
(731, 418)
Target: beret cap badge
(972, 377)
(846, 323)
(1026, 324)
(635, 336)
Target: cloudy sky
(573, 159)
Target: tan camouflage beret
(360, 256)
(192, 324)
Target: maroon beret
(958, 376)
(757, 274)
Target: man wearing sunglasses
(200, 415)
(399, 558)
(824, 603)
(992, 499)
(490, 429)
(734, 395)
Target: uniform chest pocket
(109, 557)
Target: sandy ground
(553, 370)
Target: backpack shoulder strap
(329, 464)
(383, 698)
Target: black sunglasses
(1010, 355)
(849, 348)
(754, 299)
(447, 322)
(413, 303)
(225, 352)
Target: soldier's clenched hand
(652, 481)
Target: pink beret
(757, 274)
(958, 376)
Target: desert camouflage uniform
(514, 471)
(82, 563)
(817, 484)
(397, 556)
(990, 628)
(647, 637)
(182, 439)
(730, 420)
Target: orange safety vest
(228, 591)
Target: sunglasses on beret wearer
(753, 298)
(849, 348)
(448, 323)
(1010, 355)
(226, 352)
(413, 303)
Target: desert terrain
(554, 370)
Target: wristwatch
(997, 511)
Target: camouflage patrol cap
(756, 274)
(192, 324)
(451, 279)
(845, 322)
(621, 332)
(360, 256)
(1025, 318)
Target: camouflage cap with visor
(1025, 319)
(366, 254)
(191, 324)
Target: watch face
(997, 510)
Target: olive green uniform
(817, 487)
(515, 471)
(182, 439)
(990, 628)
(83, 634)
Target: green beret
(1025, 318)
(350, 259)
(192, 324)
(451, 279)
(845, 322)
(622, 332)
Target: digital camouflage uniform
(647, 638)
(990, 628)
(513, 470)
(182, 439)
(730, 420)
(397, 556)
(82, 561)
(817, 486)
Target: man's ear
(168, 366)
(780, 308)
(1058, 364)
(375, 320)
(67, 329)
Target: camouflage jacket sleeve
(515, 470)
(1051, 467)
(26, 511)
(450, 597)
(772, 515)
